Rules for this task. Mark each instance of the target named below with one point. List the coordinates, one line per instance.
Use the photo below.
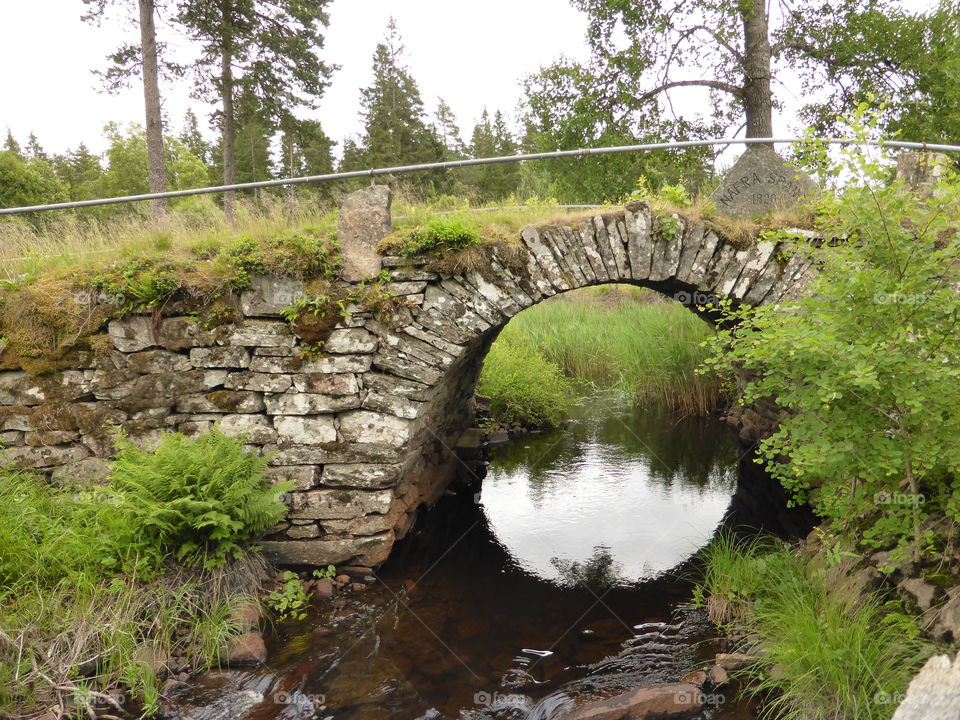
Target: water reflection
(647, 487)
(462, 618)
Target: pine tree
(142, 59)
(267, 48)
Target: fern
(201, 500)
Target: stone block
(183, 333)
(360, 475)
(391, 404)
(222, 401)
(220, 357)
(329, 552)
(93, 471)
(158, 361)
(350, 341)
(393, 385)
(298, 430)
(365, 525)
(303, 477)
(303, 532)
(257, 382)
(364, 220)
(11, 437)
(337, 364)
(268, 296)
(47, 456)
(363, 426)
(15, 418)
(20, 388)
(131, 334)
(310, 403)
(49, 437)
(342, 504)
(255, 428)
(327, 384)
(262, 333)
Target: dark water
(546, 579)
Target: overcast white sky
(471, 54)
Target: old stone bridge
(365, 432)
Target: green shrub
(524, 387)
(201, 500)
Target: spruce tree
(12, 146)
(395, 126)
(493, 139)
(191, 137)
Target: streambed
(557, 571)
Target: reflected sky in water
(645, 487)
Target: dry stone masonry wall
(364, 431)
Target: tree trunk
(229, 122)
(757, 99)
(156, 166)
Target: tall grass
(623, 338)
(825, 655)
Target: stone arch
(427, 363)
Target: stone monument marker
(759, 182)
(364, 221)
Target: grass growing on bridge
(65, 240)
(618, 336)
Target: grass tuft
(824, 655)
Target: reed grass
(616, 336)
(825, 655)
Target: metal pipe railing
(472, 162)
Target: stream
(558, 570)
